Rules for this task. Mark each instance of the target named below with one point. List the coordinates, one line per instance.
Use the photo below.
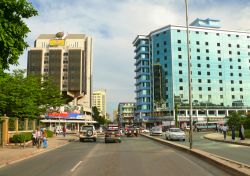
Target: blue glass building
(220, 66)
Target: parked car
(144, 130)
(174, 134)
(113, 134)
(87, 132)
(156, 131)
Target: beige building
(67, 60)
(99, 100)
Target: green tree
(97, 117)
(234, 119)
(13, 30)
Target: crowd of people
(225, 130)
(39, 138)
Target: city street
(134, 156)
(231, 151)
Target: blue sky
(114, 24)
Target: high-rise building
(126, 113)
(99, 100)
(220, 67)
(67, 60)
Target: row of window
(209, 81)
(210, 96)
(210, 89)
(209, 73)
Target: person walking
(233, 133)
(242, 132)
(38, 138)
(224, 130)
(34, 138)
(64, 131)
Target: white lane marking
(74, 168)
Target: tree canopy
(97, 117)
(22, 96)
(13, 30)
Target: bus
(207, 126)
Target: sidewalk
(219, 137)
(14, 153)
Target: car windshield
(175, 130)
(87, 128)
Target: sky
(114, 24)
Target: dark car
(132, 131)
(113, 134)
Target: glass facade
(220, 65)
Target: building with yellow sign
(67, 60)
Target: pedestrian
(34, 137)
(38, 137)
(45, 144)
(233, 133)
(64, 131)
(224, 130)
(242, 132)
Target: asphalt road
(234, 152)
(134, 156)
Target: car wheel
(183, 139)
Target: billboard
(55, 42)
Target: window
(180, 64)
(178, 30)
(230, 59)
(231, 67)
(180, 72)
(166, 73)
(205, 33)
(237, 35)
(181, 87)
(239, 67)
(165, 50)
(178, 41)
(238, 46)
(198, 58)
(217, 34)
(208, 65)
(207, 50)
(240, 74)
(221, 88)
(209, 81)
(209, 88)
(179, 48)
(228, 35)
(64, 54)
(164, 43)
(198, 65)
(218, 44)
(206, 43)
(239, 60)
(233, 96)
(200, 88)
(197, 32)
(241, 96)
(158, 52)
(158, 60)
(157, 45)
(180, 80)
(221, 96)
(219, 66)
(248, 46)
(220, 81)
(166, 65)
(232, 81)
(197, 42)
(199, 81)
(219, 58)
(229, 45)
(231, 74)
(230, 52)
(198, 50)
(199, 72)
(240, 81)
(218, 51)
(232, 89)
(241, 89)
(220, 73)
(165, 57)
(200, 96)
(208, 73)
(238, 53)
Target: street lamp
(189, 81)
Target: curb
(229, 166)
(230, 142)
(35, 153)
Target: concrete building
(99, 100)
(67, 60)
(126, 112)
(220, 76)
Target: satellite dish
(59, 34)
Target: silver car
(174, 134)
(156, 131)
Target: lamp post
(189, 82)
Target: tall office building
(99, 100)
(220, 65)
(67, 60)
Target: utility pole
(189, 81)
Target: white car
(156, 131)
(145, 130)
(174, 134)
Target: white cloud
(114, 25)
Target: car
(87, 132)
(156, 131)
(144, 130)
(174, 134)
(113, 134)
(132, 131)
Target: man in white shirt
(224, 129)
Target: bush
(21, 137)
(49, 133)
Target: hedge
(49, 133)
(22, 137)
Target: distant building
(99, 100)
(126, 112)
(67, 60)
(115, 116)
(220, 62)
